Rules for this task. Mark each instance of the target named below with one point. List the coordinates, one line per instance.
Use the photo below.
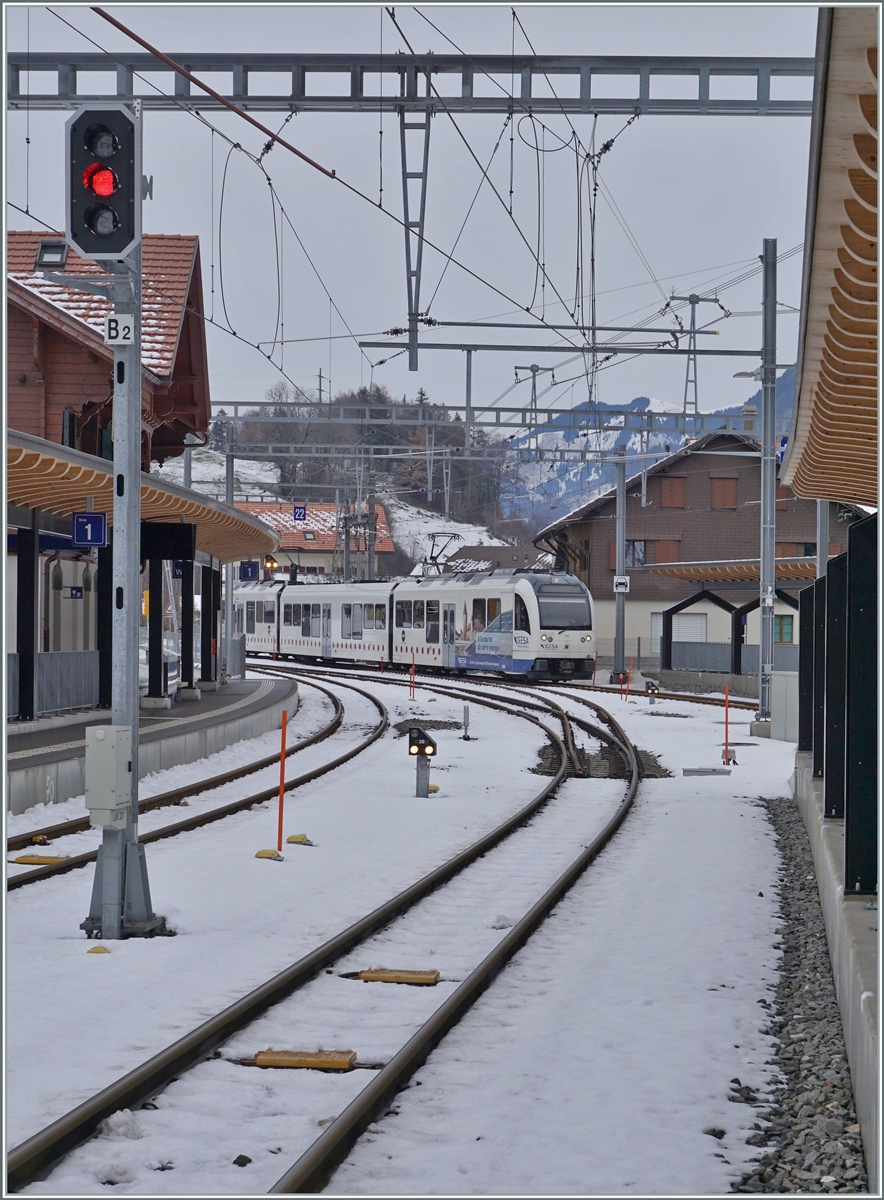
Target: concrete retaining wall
(851, 932)
(52, 783)
(710, 681)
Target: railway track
(176, 796)
(35, 1157)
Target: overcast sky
(698, 195)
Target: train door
(326, 631)
(448, 648)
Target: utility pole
(822, 537)
(228, 569)
(768, 473)
(431, 446)
(468, 415)
(620, 568)
(691, 406)
(446, 481)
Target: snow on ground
(251, 479)
(240, 919)
(410, 526)
(593, 1064)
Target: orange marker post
(628, 678)
(281, 781)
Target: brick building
(700, 506)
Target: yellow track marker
(432, 787)
(40, 860)
(382, 975)
(98, 950)
(299, 839)
(319, 1060)
(274, 854)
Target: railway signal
(422, 748)
(103, 181)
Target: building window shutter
(784, 550)
(666, 552)
(671, 491)
(612, 555)
(724, 493)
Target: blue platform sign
(248, 570)
(89, 529)
(178, 569)
(300, 512)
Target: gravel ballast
(809, 1140)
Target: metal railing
(66, 679)
(716, 656)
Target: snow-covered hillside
(410, 527)
(250, 479)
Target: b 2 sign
(89, 529)
(119, 329)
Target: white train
(535, 624)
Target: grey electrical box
(108, 775)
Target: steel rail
(214, 814)
(34, 1157)
(313, 1170)
(20, 841)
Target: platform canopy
(56, 479)
(833, 450)
(735, 570)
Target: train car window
(502, 623)
(357, 620)
(403, 614)
(478, 616)
(286, 614)
(493, 610)
(346, 620)
(315, 611)
(522, 620)
(368, 617)
(305, 621)
(250, 616)
(296, 614)
(380, 616)
(418, 614)
(433, 621)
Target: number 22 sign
(119, 329)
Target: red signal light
(99, 180)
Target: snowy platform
(47, 765)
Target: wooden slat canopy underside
(42, 475)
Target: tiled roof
(486, 558)
(167, 265)
(320, 522)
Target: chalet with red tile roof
(313, 544)
(59, 370)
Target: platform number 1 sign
(119, 329)
(89, 529)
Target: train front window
(380, 616)
(564, 608)
(403, 614)
(433, 622)
(250, 616)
